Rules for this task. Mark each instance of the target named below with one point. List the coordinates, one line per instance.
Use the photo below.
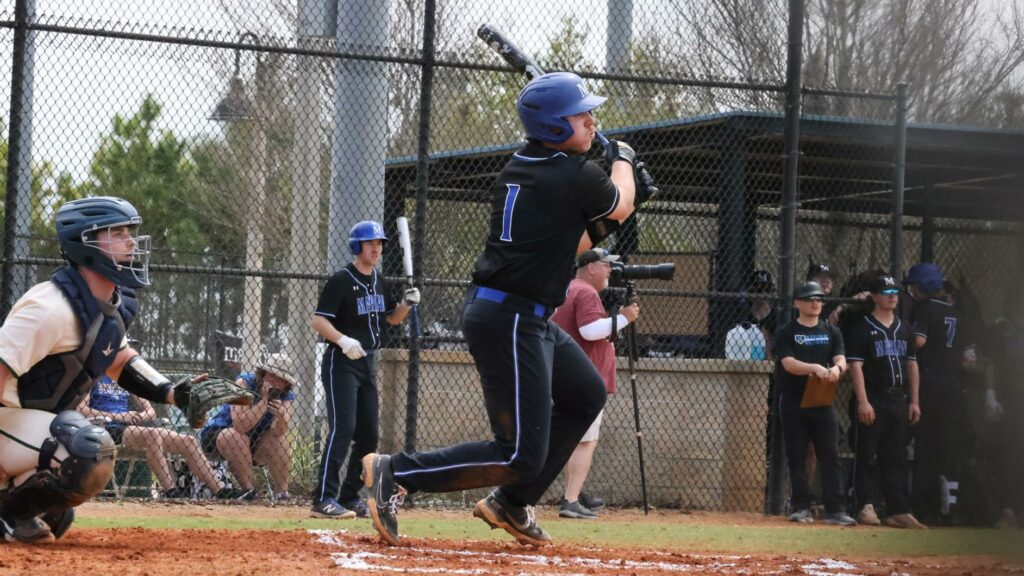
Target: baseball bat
(406, 244)
(520, 62)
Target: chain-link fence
(251, 136)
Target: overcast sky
(81, 83)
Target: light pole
(238, 114)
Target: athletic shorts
(208, 440)
(592, 432)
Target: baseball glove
(194, 396)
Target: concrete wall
(703, 426)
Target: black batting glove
(645, 186)
(617, 150)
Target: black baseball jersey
(945, 335)
(817, 344)
(357, 305)
(540, 205)
(884, 350)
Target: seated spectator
(258, 433)
(110, 402)
(748, 339)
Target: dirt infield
(338, 551)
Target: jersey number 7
(950, 330)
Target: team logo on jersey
(811, 339)
(885, 348)
(370, 303)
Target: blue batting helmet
(363, 231)
(78, 223)
(926, 275)
(546, 101)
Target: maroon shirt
(581, 307)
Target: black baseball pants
(819, 426)
(541, 393)
(352, 403)
(881, 451)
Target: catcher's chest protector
(59, 381)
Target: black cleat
(384, 495)
(59, 521)
(28, 531)
(593, 503)
(517, 521)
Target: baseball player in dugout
(942, 440)
(809, 361)
(348, 317)
(582, 316)
(58, 338)
(541, 392)
(883, 364)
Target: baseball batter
(348, 316)
(59, 337)
(540, 390)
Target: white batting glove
(411, 297)
(351, 347)
(993, 409)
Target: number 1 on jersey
(510, 205)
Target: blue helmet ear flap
(547, 100)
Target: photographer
(583, 317)
(244, 434)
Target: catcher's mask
(279, 365)
(79, 223)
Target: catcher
(61, 336)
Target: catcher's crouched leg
(53, 492)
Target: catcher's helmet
(363, 231)
(926, 275)
(547, 100)
(78, 223)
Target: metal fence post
(420, 217)
(18, 62)
(898, 168)
(787, 244)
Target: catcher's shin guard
(83, 473)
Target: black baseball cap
(820, 269)
(595, 255)
(884, 284)
(760, 282)
(809, 290)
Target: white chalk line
(361, 560)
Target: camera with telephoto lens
(623, 273)
(274, 393)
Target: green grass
(682, 536)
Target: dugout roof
(846, 165)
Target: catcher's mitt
(194, 396)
